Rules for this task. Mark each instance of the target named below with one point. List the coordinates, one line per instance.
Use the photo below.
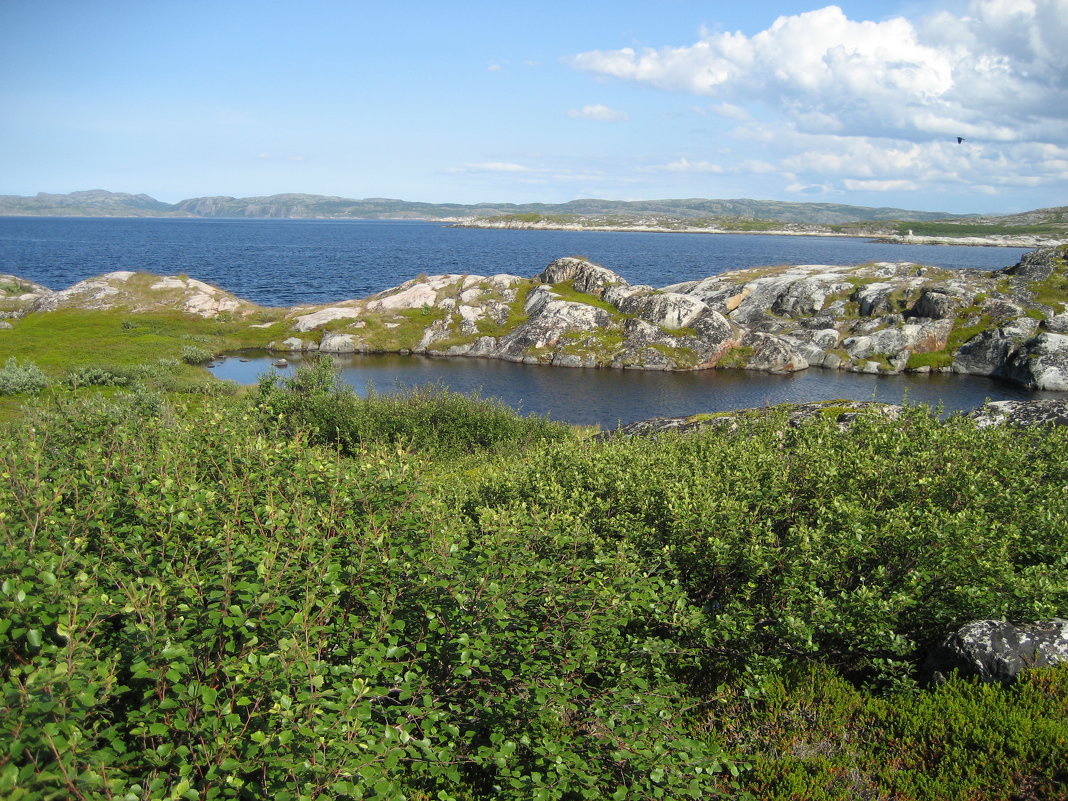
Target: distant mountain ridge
(101, 203)
(90, 203)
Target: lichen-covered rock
(665, 309)
(873, 298)
(997, 651)
(320, 317)
(772, 354)
(871, 318)
(1042, 363)
(1058, 324)
(843, 412)
(806, 296)
(143, 292)
(1047, 411)
(333, 342)
(413, 295)
(937, 304)
(1038, 265)
(17, 295)
(549, 320)
(293, 344)
(583, 275)
(990, 352)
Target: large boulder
(550, 319)
(997, 651)
(316, 319)
(1042, 363)
(772, 354)
(806, 296)
(1047, 411)
(989, 352)
(583, 275)
(937, 304)
(334, 342)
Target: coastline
(1000, 240)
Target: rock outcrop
(843, 412)
(1022, 413)
(143, 292)
(997, 651)
(877, 318)
(17, 295)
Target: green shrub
(22, 379)
(430, 419)
(856, 549)
(251, 615)
(242, 616)
(194, 354)
(94, 377)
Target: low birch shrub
(190, 608)
(855, 549)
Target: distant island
(694, 215)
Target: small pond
(611, 397)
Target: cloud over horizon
(1000, 73)
(877, 105)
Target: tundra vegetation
(293, 592)
(297, 593)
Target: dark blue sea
(286, 262)
(289, 262)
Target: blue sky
(860, 102)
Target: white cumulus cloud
(998, 73)
(598, 112)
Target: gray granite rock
(998, 651)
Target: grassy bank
(303, 594)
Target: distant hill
(91, 203)
(100, 203)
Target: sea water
(290, 262)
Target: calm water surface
(286, 262)
(610, 397)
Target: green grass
(601, 345)
(810, 734)
(935, 360)
(736, 357)
(65, 340)
(566, 291)
(516, 314)
(1054, 290)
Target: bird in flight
(960, 139)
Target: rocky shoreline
(877, 318)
